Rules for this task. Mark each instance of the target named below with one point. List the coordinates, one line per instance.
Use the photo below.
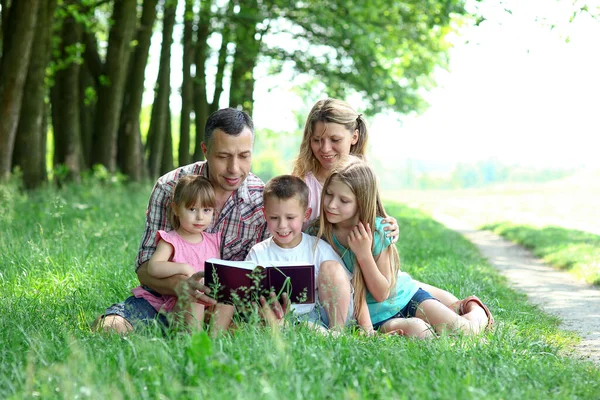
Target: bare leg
(447, 298)
(334, 292)
(112, 324)
(443, 318)
(222, 317)
(411, 327)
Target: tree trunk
(166, 164)
(130, 151)
(30, 145)
(110, 96)
(13, 71)
(65, 106)
(87, 112)
(222, 61)
(159, 119)
(187, 86)
(5, 4)
(247, 48)
(200, 100)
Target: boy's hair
(361, 179)
(191, 190)
(334, 111)
(285, 187)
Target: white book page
(250, 265)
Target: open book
(236, 282)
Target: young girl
(183, 250)
(351, 221)
(334, 131)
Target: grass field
(571, 203)
(67, 254)
(575, 251)
(559, 221)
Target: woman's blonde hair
(191, 190)
(361, 179)
(334, 111)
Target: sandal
(462, 305)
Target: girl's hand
(360, 241)
(391, 228)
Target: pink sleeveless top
(183, 251)
(314, 199)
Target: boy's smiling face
(285, 219)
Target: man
(227, 146)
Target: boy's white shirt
(305, 252)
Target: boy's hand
(360, 240)
(273, 311)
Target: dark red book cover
(235, 282)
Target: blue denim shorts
(138, 312)
(409, 310)
(319, 316)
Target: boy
(285, 200)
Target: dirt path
(556, 292)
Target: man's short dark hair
(230, 120)
(284, 187)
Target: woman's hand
(360, 241)
(392, 228)
(194, 288)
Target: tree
(19, 29)
(130, 151)
(30, 145)
(110, 93)
(65, 96)
(161, 117)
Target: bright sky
(517, 90)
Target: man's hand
(273, 311)
(194, 288)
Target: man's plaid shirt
(241, 222)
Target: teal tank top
(405, 286)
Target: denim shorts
(138, 312)
(318, 315)
(409, 310)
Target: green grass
(65, 255)
(572, 250)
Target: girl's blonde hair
(361, 179)
(191, 190)
(334, 111)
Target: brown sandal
(462, 305)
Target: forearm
(161, 285)
(364, 319)
(165, 269)
(376, 282)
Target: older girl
(351, 221)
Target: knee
(112, 324)
(332, 271)
(420, 329)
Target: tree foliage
(95, 77)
